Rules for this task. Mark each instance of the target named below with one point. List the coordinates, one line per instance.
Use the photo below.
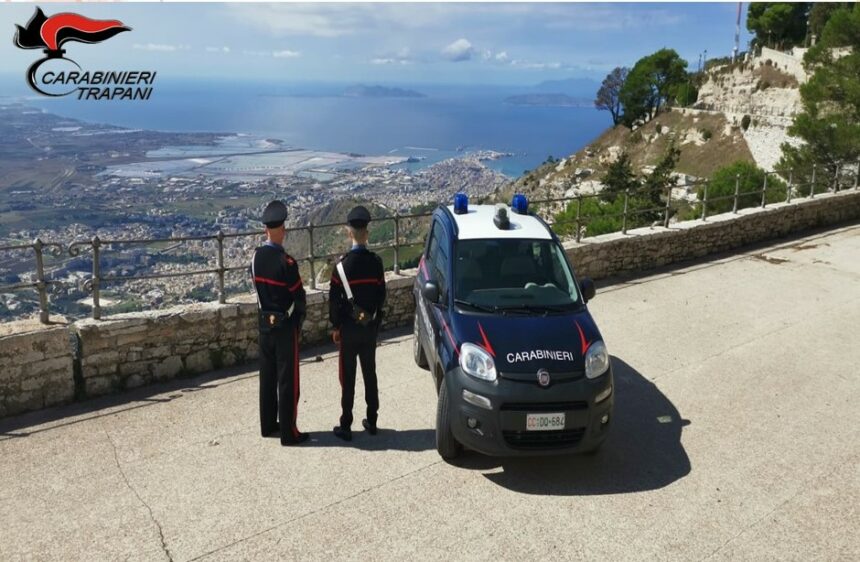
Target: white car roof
(478, 223)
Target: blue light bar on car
(461, 204)
(519, 204)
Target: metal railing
(40, 283)
(96, 246)
(578, 224)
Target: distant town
(121, 184)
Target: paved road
(737, 436)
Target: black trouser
(279, 381)
(358, 342)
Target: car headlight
(476, 362)
(596, 360)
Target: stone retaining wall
(648, 248)
(129, 350)
(36, 367)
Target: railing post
(836, 179)
(857, 177)
(812, 184)
(578, 216)
(790, 182)
(624, 216)
(397, 242)
(222, 298)
(41, 286)
(668, 207)
(311, 257)
(764, 191)
(97, 271)
(737, 191)
(705, 204)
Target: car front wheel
(446, 444)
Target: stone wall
(791, 63)
(36, 367)
(134, 349)
(37, 363)
(648, 248)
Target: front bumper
(501, 429)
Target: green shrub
(750, 180)
(745, 122)
(707, 134)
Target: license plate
(544, 422)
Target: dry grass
(646, 147)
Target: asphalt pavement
(736, 436)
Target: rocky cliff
(711, 134)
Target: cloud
(501, 56)
(286, 54)
(536, 65)
(337, 20)
(159, 47)
(459, 50)
(224, 49)
(402, 56)
(283, 54)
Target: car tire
(446, 444)
(417, 350)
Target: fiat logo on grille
(543, 377)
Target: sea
(449, 121)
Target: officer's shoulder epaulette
(288, 259)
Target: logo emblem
(272, 320)
(543, 377)
(55, 75)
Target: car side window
(438, 257)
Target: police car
(502, 324)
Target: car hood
(521, 345)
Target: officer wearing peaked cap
(356, 298)
(282, 305)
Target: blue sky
(511, 44)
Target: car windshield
(513, 274)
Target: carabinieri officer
(356, 298)
(282, 305)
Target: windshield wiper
(481, 307)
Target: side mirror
(586, 286)
(430, 290)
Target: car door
(427, 321)
(439, 270)
(434, 269)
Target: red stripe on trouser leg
(296, 382)
(340, 362)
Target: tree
(750, 181)
(654, 80)
(820, 14)
(668, 73)
(636, 95)
(619, 178)
(778, 24)
(830, 121)
(660, 180)
(608, 96)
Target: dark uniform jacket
(279, 286)
(366, 278)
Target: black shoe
(371, 429)
(297, 440)
(343, 433)
(273, 431)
